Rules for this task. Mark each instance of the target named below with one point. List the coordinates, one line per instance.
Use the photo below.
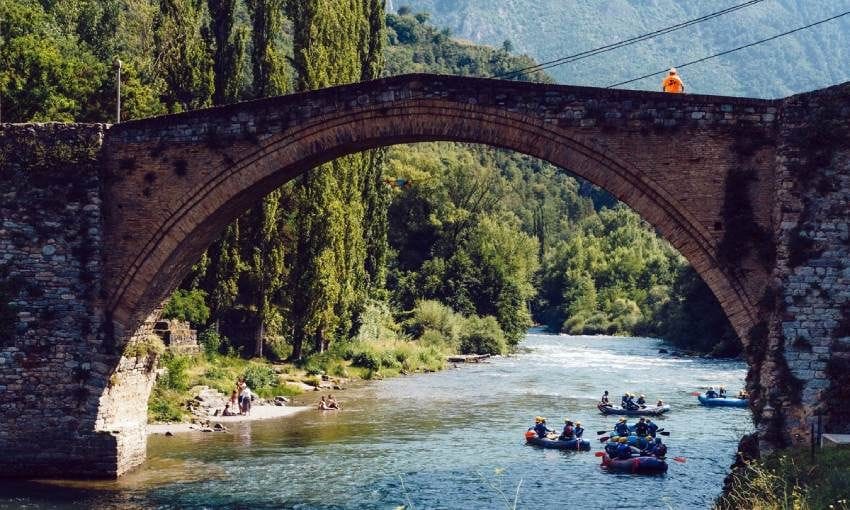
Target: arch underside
(179, 241)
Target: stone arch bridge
(100, 223)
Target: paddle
(599, 454)
(680, 459)
(602, 432)
(695, 393)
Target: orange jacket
(672, 83)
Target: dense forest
(550, 29)
(376, 257)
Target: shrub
(150, 344)
(210, 341)
(277, 348)
(188, 305)
(175, 377)
(366, 357)
(483, 336)
(377, 323)
(260, 376)
(437, 317)
(164, 407)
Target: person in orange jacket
(672, 82)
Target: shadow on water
(448, 440)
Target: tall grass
(789, 480)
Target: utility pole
(118, 91)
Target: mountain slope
(549, 29)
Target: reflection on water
(446, 440)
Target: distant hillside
(548, 29)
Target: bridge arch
(230, 185)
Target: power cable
(623, 43)
(762, 41)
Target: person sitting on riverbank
(578, 430)
(622, 428)
(228, 410)
(604, 400)
(711, 393)
(569, 432)
(245, 400)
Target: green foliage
(434, 318)
(791, 481)
(377, 323)
(45, 73)
(211, 341)
(164, 406)
(146, 346)
(692, 318)
(483, 336)
(175, 376)
(183, 59)
(188, 305)
(259, 376)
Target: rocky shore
(206, 409)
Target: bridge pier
(94, 234)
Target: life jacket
(660, 450)
(622, 429)
(568, 432)
(624, 451)
(672, 83)
(579, 432)
(641, 429)
(541, 430)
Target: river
(452, 439)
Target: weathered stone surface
(99, 224)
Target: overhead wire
(761, 41)
(621, 44)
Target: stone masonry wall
(811, 331)
(55, 354)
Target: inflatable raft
(647, 411)
(723, 402)
(635, 465)
(557, 444)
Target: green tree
(330, 47)
(182, 54)
(265, 270)
(267, 61)
(45, 74)
(228, 46)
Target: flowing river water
(452, 439)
